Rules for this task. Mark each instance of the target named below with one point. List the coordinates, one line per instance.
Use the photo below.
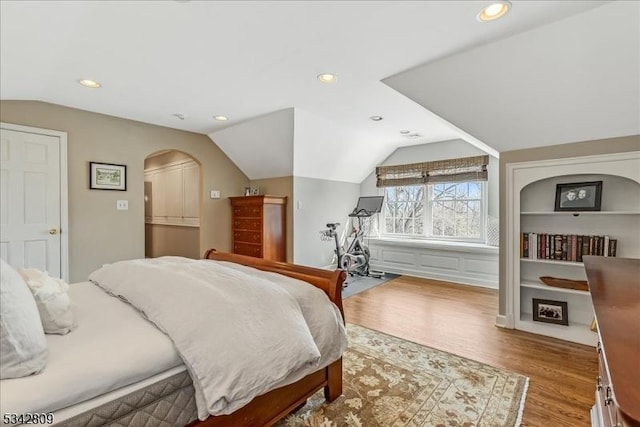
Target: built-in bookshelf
(531, 190)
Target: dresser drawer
(247, 224)
(247, 211)
(247, 236)
(247, 249)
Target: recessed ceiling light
(327, 78)
(221, 118)
(89, 83)
(404, 132)
(497, 9)
(375, 118)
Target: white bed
(114, 352)
(111, 348)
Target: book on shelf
(565, 247)
(557, 247)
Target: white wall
(438, 151)
(574, 79)
(316, 203)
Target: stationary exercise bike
(355, 260)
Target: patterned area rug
(392, 382)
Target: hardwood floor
(461, 320)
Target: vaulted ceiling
(257, 62)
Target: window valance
(450, 170)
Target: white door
(30, 200)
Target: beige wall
(98, 233)
(576, 149)
(282, 186)
(162, 240)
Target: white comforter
(240, 332)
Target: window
(443, 210)
(404, 210)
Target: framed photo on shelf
(107, 176)
(251, 191)
(550, 311)
(578, 196)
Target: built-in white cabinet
(172, 195)
(530, 197)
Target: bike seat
(333, 225)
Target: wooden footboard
(269, 408)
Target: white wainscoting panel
(440, 262)
(468, 264)
(481, 265)
(396, 256)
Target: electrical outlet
(122, 205)
(215, 194)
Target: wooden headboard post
(330, 281)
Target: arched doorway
(172, 204)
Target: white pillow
(23, 347)
(52, 300)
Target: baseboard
(503, 321)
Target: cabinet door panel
(158, 204)
(173, 189)
(191, 178)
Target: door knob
(53, 231)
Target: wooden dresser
(614, 284)
(258, 225)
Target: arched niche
(173, 204)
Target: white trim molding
(64, 189)
(503, 321)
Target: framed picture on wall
(107, 176)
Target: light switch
(122, 205)
(215, 194)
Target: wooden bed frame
(271, 407)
